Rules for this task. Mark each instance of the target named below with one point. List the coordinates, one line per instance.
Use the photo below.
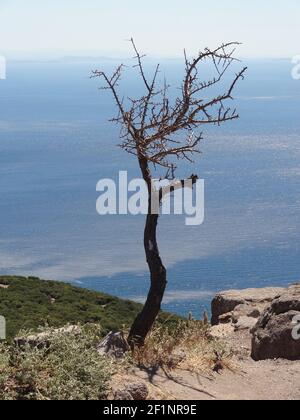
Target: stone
(220, 331)
(44, 339)
(137, 391)
(122, 395)
(245, 310)
(175, 358)
(114, 344)
(226, 318)
(245, 323)
(272, 337)
(226, 302)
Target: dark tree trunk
(145, 320)
(158, 275)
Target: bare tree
(160, 132)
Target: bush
(68, 368)
(28, 303)
(183, 344)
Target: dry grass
(185, 345)
(71, 368)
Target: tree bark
(145, 320)
(158, 275)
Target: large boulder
(274, 335)
(230, 306)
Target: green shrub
(69, 368)
(29, 303)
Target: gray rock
(176, 358)
(220, 331)
(226, 302)
(122, 395)
(114, 344)
(246, 310)
(272, 337)
(245, 323)
(137, 391)
(226, 318)
(44, 339)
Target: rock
(245, 310)
(272, 337)
(122, 395)
(220, 331)
(226, 318)
(44, 339)
(137, 391)
(256, 299)
(245, 323)
(176, 358)
(114, 344)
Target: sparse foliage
(161, 131)
(185, 345)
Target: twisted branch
(159, 130)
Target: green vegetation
(67, 368)
(64, 364)
(29, 303)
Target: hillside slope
(28, 303)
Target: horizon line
(55, 56)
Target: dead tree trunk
(160, 130)
(158, 274)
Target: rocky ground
(250, 352)
(243, 379)
(252, 321)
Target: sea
(56, 143)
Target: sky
(268, 28)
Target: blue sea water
(56, 143)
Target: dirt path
(248, 380)
(255, 381)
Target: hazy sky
(267, 28)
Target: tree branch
(156, 128)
